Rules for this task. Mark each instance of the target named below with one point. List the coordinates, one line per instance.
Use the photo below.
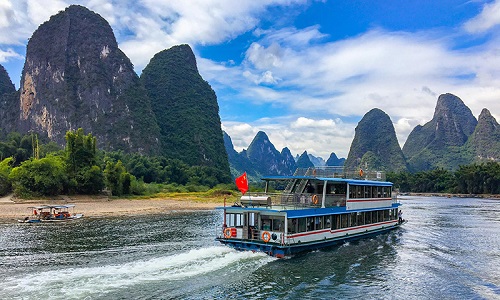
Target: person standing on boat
(400, 217)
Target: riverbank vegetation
(483, 178)
(30, 168)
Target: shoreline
(450, 195)
(12, 210)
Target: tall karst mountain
(484, 142)
(375, 145)
(186, 109)
(334, 161)
(9, 104)
(239, 162)
(304, 162)
(439, 142)
(75, 76)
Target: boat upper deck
(324, 187)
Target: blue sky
(305, 72)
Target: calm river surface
(449, 249)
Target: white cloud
(486, 20)
(9, 53)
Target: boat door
(250, 226)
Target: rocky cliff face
(264, 155)
(260, 159)
(375, 145)
(239, 162)
(75, 76)
(9, 104)
(287, 162)
(186, 109)
(484, 142)
(438, 142)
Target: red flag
(242, 183)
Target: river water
(449, 249)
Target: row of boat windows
(365, 191)
(297, 225)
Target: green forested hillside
(186, 109)
(375, 145)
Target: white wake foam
(79, 282)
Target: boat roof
(52, 206)
(331, 179)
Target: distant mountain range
(261, 158)
(453, 137)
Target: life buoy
(361, 173)
(315, 199)
(266, 236)
(227, 233)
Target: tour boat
(318, 207)
(51, 213)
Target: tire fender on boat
(266, 236)
(227, 233)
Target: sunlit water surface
(449, 249)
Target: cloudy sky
(305, 72)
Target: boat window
(359, 191)
(328, 221)
(353, 220)
(338, 189)
(266, 223)
(302, 224)
(277, 224)
(386, 215)
(368, 217)
(292, 225)
(318, 223)
(361, 218)
(310, 223)
(344, 220)
(252, 219)
(234, 220)
(335, 222)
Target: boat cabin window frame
(235, 220)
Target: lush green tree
(39, 177)
(80, 150)
(177, 172)
(5, 168)
(91, 180)
(118, 180)
(85, 177)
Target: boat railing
(341, 172)
(294, 200)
